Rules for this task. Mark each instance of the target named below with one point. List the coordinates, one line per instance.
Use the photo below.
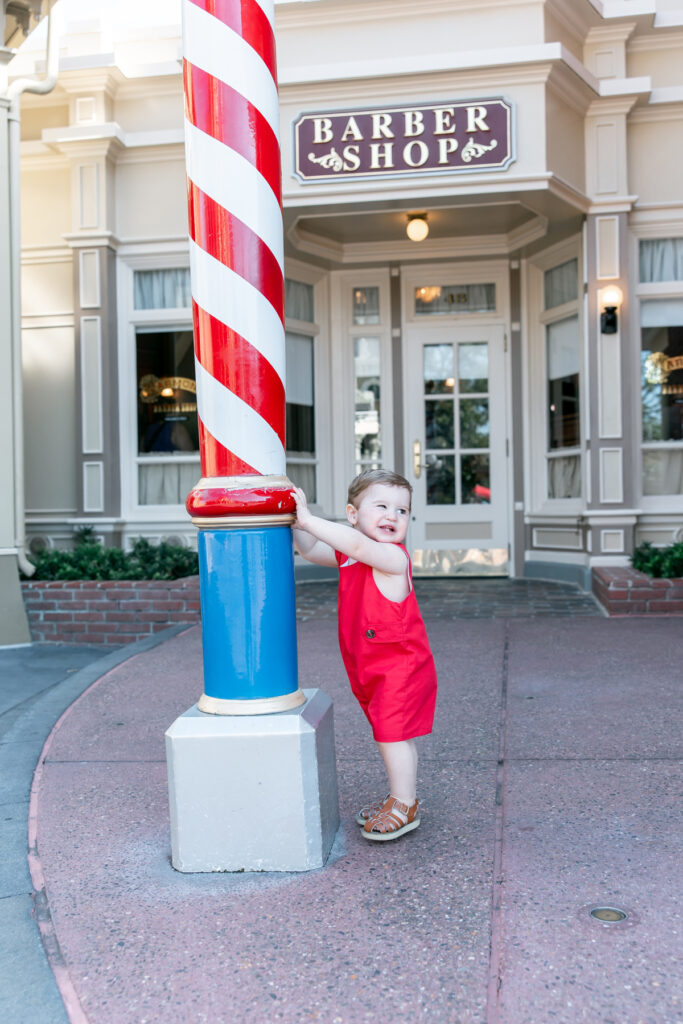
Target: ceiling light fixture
(417, 228)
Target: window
(661, 259)
(454, 298)
(662, 395)
(162, 289)
(167, 416)
(300, 389)
(365, 306)
(562, 360)
(368, 443)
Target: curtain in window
(661, 259)
(162, 289)
(564, 477)
(561, 284)
(299, 300)
(166, 483)
(663, 472)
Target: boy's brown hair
(368, 477)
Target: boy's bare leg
(400, 760)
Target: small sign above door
(438, 138)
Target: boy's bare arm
(312, 549)
(387, 558)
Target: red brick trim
(629, 592)
(110, 611)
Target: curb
(49, 711)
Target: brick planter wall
(629, 592)
(108, 612)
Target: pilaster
(609, 511)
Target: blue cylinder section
(246, 579)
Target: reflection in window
(662, 396)
(455, 298)
(298, 300)
(438, 369)
(561, 284)
(366, 362)
(473, 367)
(167, 415)
(440, 479)
(365, 306)
(300, 413)
(562, 350)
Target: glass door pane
(457, 423)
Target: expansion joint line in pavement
(495, 976)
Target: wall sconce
(610, 299)
(417, 228)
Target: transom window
(450, 299)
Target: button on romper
(386, 654)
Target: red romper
(386, 654)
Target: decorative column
(236, 768)
(242, 504)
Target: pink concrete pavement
(549, 786)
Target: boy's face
(383, 513)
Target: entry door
(457, 458)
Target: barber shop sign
(438, 138)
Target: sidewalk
(551, 784)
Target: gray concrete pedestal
(253, 792)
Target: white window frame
(536, 441)
(343, 381)
(296, 270)
(130, 320)
(673, 228)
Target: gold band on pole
(255, 706)
(240, 522)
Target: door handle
(417, 459)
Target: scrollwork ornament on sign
(473, 150)
(332, 160)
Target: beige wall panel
(611, 475)
(89, 278)
(88, 178)
(607, 242)
(655, 153)
(565, 130)
(151, 199)
(91, 383)
(45, 206)
(663, 66)
(609, 388)
(607, 178)
(612, 541)
(46, 289)
(549, 537)
(151, 112)
(50, 431)
(93, 486)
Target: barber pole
(242, 504)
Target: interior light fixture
(417, 227)
(610, 300)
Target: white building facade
(538, 415)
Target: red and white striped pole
(236, 254)
(237, 279)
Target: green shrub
(659, 562)
(90, 561)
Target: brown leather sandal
(387, 824)
(370, 810)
